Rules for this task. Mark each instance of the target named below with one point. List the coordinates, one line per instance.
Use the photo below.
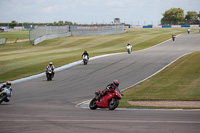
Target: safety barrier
(52, 36)
(185, 25)
(165, 26)
(2, 41)
(40, 34)
(96, 30)
(47, 30)
(148, 26)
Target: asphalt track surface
(39, 106)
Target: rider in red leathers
(110, 87)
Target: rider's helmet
(115, 83)
(8, 84)
(85, 51)
(50, 63)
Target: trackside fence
(47, 30)
(42, 33)
(96, 30)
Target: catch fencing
(96, 30)
(48, 32)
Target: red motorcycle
(110, 100)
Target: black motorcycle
(49, 74)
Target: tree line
(175, 16)
(28, 24)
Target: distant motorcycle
(173, 37)
(49, 74)
(85, 59)
(5, 95)
(111, 100)
(129, 49)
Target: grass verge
(178, 82)
(12, 36)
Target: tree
(60, 22)
(191, 15)
(173, 16)
(13, 24)
(68, 23)
(55, 23)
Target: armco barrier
(147, 26)
(163, 26)
(185, 25)
(29, 28)
(166, 26)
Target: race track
(38, 106)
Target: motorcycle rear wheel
(2, 98)
(113, 104)
(85, 62)
(93, 104)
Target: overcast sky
(91, 11)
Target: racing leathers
(52, 68)
(110, 87)
(85, 53)
(7, 87)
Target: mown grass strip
(12, 36)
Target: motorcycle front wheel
(93, 104)
(113, 104)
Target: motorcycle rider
(7, 85)
(110, 87)
(51, 66)
(129, 45)
(173, 36)
(85, 53)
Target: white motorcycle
(85, 59)
(5, 95)
(129, 49)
